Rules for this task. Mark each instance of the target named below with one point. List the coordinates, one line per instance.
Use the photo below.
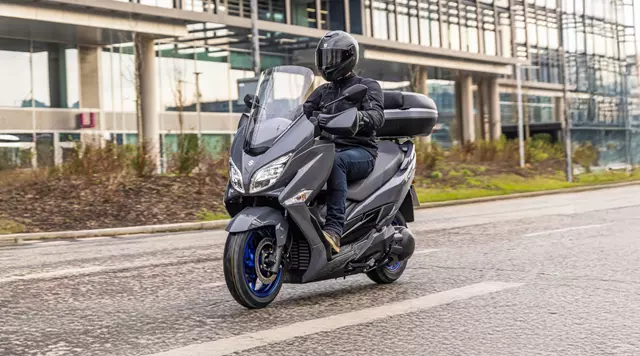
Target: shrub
(436, 175)
(428, 155)
(142, 161)
(501, 151)
(540, 149)
(9, 161)
(544, 137)
(586, 155)
(89, 160)
(189, 155)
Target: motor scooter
(279, 165)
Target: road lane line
(91, 239)
(54, 274)
(423, 252)
(49, 243)
(81, 271)
(567, 229)
(213, 285)
(264, 337)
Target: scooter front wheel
(247, 261)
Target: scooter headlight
(235, 177)
(268, 175)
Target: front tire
(248, 280)
(391, 272)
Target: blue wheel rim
(250, 276)
(394, 266)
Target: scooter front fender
(254, 217)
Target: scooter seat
(389, 160)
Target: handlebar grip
(327, 136)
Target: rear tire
(390, 273)
(240, 269)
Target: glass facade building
(581, 50)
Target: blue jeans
(349, 165)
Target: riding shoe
(333, 239)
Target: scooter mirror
(355, 92)
(250, 100)
(343, 124)
(243, 120)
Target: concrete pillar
(495, 122)
(421, 87)
(89, 63)
(150, 124)
(89, 59)
(466, 106)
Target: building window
(15, 87)
(48, 71)
(303, 13)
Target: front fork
(275, 268)
(281, 242)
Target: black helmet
(336, 55)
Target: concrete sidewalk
(12, 239)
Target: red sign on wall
(86, 120)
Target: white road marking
(91, 239)
(213, 285)
(423, 252)
(70, 272)
(48, 242)
(567, 229)
(55, 274)
(264, 337)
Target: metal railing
(188, 5)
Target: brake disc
(264, 250)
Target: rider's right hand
(322, 121)
(317, 129)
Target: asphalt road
(556, 275)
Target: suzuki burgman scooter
(279, 166)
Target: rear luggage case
(407, 114)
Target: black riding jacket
(370, 110)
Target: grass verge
(10, 227)
(504, 184)
(208, 215)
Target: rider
(336, 56)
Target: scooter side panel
(311, 169)
(301, 215)
(394, 191)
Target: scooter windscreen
(279, 98)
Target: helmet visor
(328, 58)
